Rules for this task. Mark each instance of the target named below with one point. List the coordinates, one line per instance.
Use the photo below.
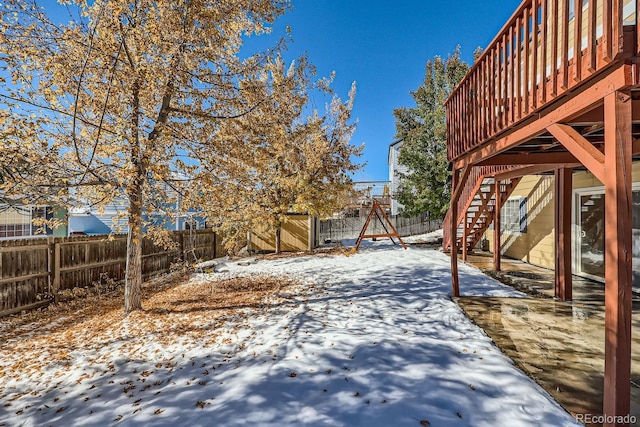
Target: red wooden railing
(516, 75)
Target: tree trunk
(278, 244)
(133, 277)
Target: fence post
(56, 269)
(215, 243)
(181, 243)
(50, 261)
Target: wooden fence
(33, 272)
(349, 228)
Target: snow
(367, 339)
(431, 238)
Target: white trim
(503, 212)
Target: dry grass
(176, 314)
(336, 249)
(71, 310)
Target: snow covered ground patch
(429, 238)
(370, 339)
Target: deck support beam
(465, 237)
(562, 215)
(582, 149)
(455, 284)
(496, 227)
(618, 241)
(541, 158)
(458, 183)
(533, 170)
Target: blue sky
(384, 46)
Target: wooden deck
(557, 90)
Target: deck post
(465, 237)
(562, 214)
(618, 241)
(455, 285)
(496, 227)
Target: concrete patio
(558, 344)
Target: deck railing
(533, 60)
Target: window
(513, 216)
(16, 221)
(43, 212)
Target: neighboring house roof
(88, 224)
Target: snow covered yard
(370, 339)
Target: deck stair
(477, 206)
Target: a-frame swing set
(377, 210)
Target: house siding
(536, 246)
(394, 178)
(108, 219)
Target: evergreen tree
(426, 187)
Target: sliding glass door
(590, 248)
(589, 240)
